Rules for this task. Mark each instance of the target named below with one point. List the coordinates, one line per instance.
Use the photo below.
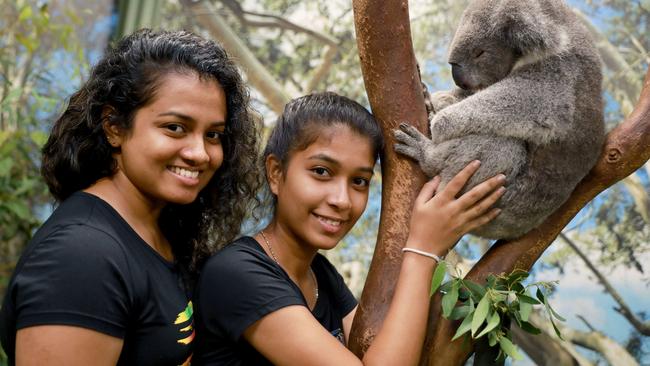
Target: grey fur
(530, 107)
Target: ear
(114, 133)
(527, 28)
(274, 173)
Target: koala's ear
(526, 27)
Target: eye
(321, 171)
(361, 182)
(479, 53)
(175, 128)
(214, 136)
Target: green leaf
(557, 331)
(460, 312)
(493, 322)
(527, 299)
(25, 13)
(530, 328)
(39, 138)
(540, 295)
(19, 209)
(517, 275)
(463, 327)
(477, 290)
(449, 300)
(5, 167)
(438, 276)
(509, 348)
(492, 339)
(481, 313)
(524, 310)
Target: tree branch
(393, 86)
(638, 324)
(275, 21)
(257, 74)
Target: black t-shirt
(240, 285)
(86, 267)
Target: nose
(195, 150)
(457, 74)
(339, 196)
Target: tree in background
(290, 47)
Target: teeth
(329, 221)
(184, 172)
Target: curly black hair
(126, 79)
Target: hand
(439, 221)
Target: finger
(428, 190)
(485, 204)
(480, 191)
(483, 219)
(458, 182)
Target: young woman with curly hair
(154, 164)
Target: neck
(139, 211)
(290, 253)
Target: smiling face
(323, 190)
(173, 148)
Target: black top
(86, 267)
(240, 285)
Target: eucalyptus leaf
(492, 339)
(493, 322)
(509, 348)
(557, 331)
(460, 312)
(438, 276)
(481, 313)
(463, 327)
(477, 290)
(530, 328)
(527, 299)
(524, 310)
(449, 300)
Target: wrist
(427, 246)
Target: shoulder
(237, 257)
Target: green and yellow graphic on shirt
(187, 332)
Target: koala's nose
(457, 74)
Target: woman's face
(173, 147)
(324, 188)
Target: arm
(65, 345)
(292, 336)
(537, 112)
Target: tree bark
(395, 94)
(393, 87)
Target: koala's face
(479, 55)
(478, 62)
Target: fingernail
(502, 190)
(502, 178)
(476, 163)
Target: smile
(184, 172)
(329, 221)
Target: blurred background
(287, 48)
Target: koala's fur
(529, 106)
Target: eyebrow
(185, 117)
(330, 160)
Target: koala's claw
(409, 141)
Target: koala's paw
(442, 99)
(410, 141)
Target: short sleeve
(75, 276)
(238, 287)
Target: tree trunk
(395, 94)
(393, 87)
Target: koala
(528, 104)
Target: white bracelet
(420, 252)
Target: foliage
(488, 310)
